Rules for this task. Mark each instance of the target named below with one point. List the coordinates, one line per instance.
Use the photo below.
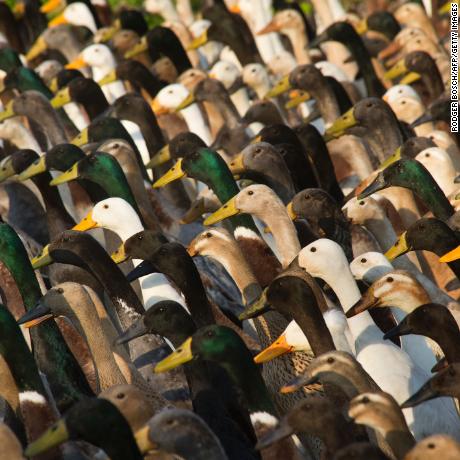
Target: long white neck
(241, 100)
(196, 123)
(299, 44)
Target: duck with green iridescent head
(9, 59)
(67, 382)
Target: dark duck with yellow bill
(380, 21)
(87, 421)
(413, 175)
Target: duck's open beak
(119, 255)
(137, 49)
(8, 112)
(175, 173)
(37, 48)
(400, 329)
(189, 100)
(86, 223)
(198, 41)
(143, 269)
(281, 87)
(278, 348)
(182, 355)
(53, 436)
(70, 174)
(236, 166)
(400, 248)
(37, 315)
(37, 167)
(143, 440)
(108, 78)
(451, 255)
(81, 138)
(338, 128)
(43, 259)
(50, 6)
(425, 393)
(77, 63)
(137, 329)
(376, 185)
(367, 301)
(283, 430)
(229, 209)
(61, 98)
(6, 168)
(297, 97)
(299, 382)
(160, 158)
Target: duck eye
(431, 445)
(210, 333)
(60, 291)
(361, 203)
(313, 249)
(120, 395)
(330, 360)
(208, 235)
(161, 310)
(140, 237)
(427, 155)
(115, 146)
(363, 260)
(390, 279)
(403, 102)
(106, 206)
(451, 371)
(250, 192)
(365, 400)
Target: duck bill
(6, 169)
(36, 168)
(283, 430)
(143, 269)
(137, 329)
(425, 118)
(236, 166)
(157, 108)
(400, 248)
(425, 393)
(175, 173)
(400, 329)
(62, 98)
(182, 355)
(391, 159)
(256, 308)
(445, 9)
(338, 128)
(52, 437)
(81, 138)
(367, 301)
(318, 40)
(278, 348)
(188, 101)
(77, 63)
(375, 186)
(229, 209)
(37, 315)
(58, 20)
(281, 87)
(396, 71)
(197, 209)
(411, 77)
(36, 49)
(86, 223)
(119, 255)
(361, 27)
(272, 26)
(143, 440)
(298, 383)
(8, 112)
(107, 33)
(296, 98)
(451, 255)
(43, 259)
(109, 78)
(50, 6)
(137, 49)
(68, 176)
(53, 85)
(198, 41)
(292, 215)
(439, 366)
(160, 158)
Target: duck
(433, 446)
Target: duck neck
(227, 110)
(382, 229)
(196, 123)
(434, 198)
(50, 124)
(298, 38)
(326, 101)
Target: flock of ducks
(228, 231)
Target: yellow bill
(189, 100)
(160, 158)
(81, 138)
(198, 41)
(119, 255)
(52, 437)
(297, 97)
(236, 166)
(70, 174)
(137, 49)
(109, 78)
(197, 209)
(6, 168)
(227, 210)
(182, 355)
(36, 168)
(37, 321)
(278, 348)
(37, 48)
(53, 85)
(50, 6)
(107, 33)
(397, 70)
(290, 211)
(410, 78)
(361, 27)
(175, 173)
(61, 98)
(58, 20)
(281, 87)
(77, 63)
(338, 128)
(87, 223)
(391, 159)
(143, 440)
(451, 255)
(399, 248)
(8, 111)
(43, 259)
(157, 108)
